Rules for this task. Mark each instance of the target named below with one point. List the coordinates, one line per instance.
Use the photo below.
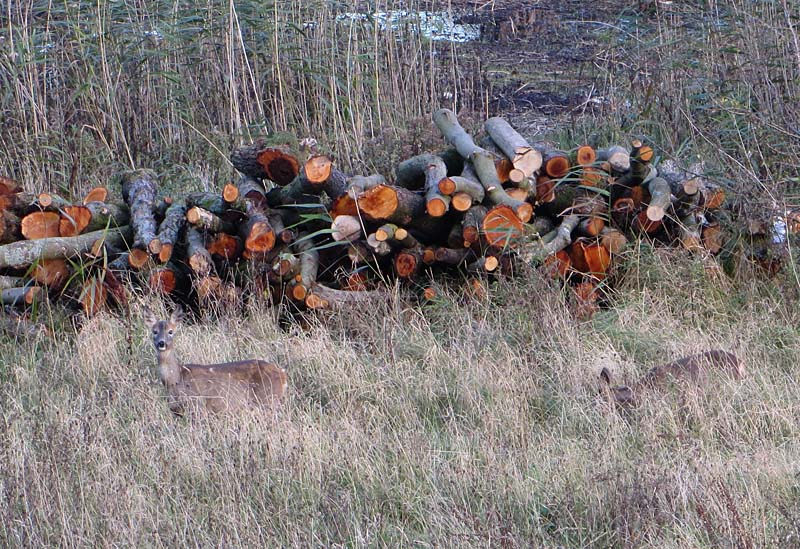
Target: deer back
(232, 385)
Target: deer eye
(169, 332)
(155, 332)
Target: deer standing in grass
(216, 388)
(692, 368)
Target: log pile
(296, 227)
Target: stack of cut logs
(294, 226)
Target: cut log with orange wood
(225, 246)
(21, 297)
(275, 158)
(170, 230)
(97, 194)
(393, 204)
(589, 257)
(323, 297)
(38, 225)
(259, 237)
(52, 273)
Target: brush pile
(295, 227)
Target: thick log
(618, 158)
(590, 257)
(447, 122)
(75, 220)
(106, 214)
(197, 256)
(38, 225)
(644, 224)
(660, 198)
(169, 279)
(346, 227)
(7, 282)
(345, 204)
(21, 254)
(138, 258)
(323, 297)
(392, 204)
(552, 242)
(259, 237)
(216, 204)
(25, 295)
(201, 218)
(52, 273)
(169, 233)
(484, 167)
(97, 194)
(501, 227)
(437, 203)
(411, 173)
(525, 159)
(252, 191)
(613, 240)
(472, 225)
(309, 261)
(451, 256)
(94, 296)
(457, 184)
(8, 186)
(584, 156)
(10, 227)
(555, 162)
(139, 192)
(225, 246)
(483, 265)
(274, 158)
(408, 262)
(230, 193)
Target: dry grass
(462, 423)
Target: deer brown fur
(694, 368)
(230, 386)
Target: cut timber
(472, 225)
(712, 196)
(378, 247)
(259, 237)
(274, 158)
(9, 227)
(559, 264)
(106, 214)
(286, 266)
(51, 272)
(139, 192)
(555, 163)
(74, 220)
(408, 262)
(458, 184)
(451, 256)
(230, 193)
(552, 242)
(197, 256)
(9, 186)
(613, 240)
(690, 233)
(712, 237)
(38, 225)
(386, 232)
(545, 190)
(94, 296)
(411, 173)
(584, 156)
(309, 261)
(660, 198)
(501, 227)
(232, 211)
(212, 290)
(168, 279)
(437, 203)
(203, 219)
(252, 191)
(483, 265)
(51, 202)
(525, 159)
(26, 295)
(97, 194)
(618, 158)
(225, 246)
(484, 167)
(590, 257)
(644, 224)
(346, 227)
(447, 122)
(170, 230)
(7, 282)
(393, 204)
(138, 258)
(323, 297)
(345, 204)
(318, 168)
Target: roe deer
(691, 368)
(215, 387)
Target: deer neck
(169, 369)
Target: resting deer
(214, 387)
(691, 368)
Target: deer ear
(605, 375)
(149, 317)
(177, 315)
